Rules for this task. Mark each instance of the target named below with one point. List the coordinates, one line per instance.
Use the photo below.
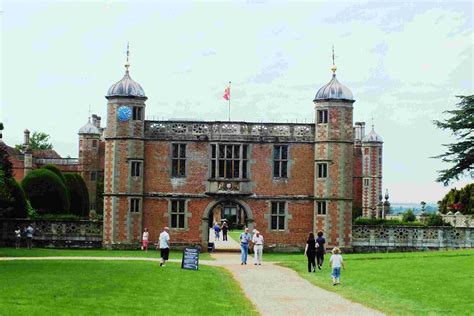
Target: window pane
(175, 151)
(221, 151)
(182, 167)
(228, 168)
(213, 151)
(244, 169)
(173, 206)
(174, 220)
(181, 221)
(181, 206)
(276, 169)
(274, 222)
(284, 169)
(213, 169)
(182, 150)
(244, 151)
(274, 207)
(284, 152)
(281, 222)
(236, 168)
(277, 152)
(228, 151)
(281, 208)
(221, 168)
(236, 151)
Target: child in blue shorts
(336, 262)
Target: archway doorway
(235, 214)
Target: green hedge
(78, 193)
(46, 192)
(12, 198)
(384, 222)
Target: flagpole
(229, 102)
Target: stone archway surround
(209, 209)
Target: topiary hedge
(46, 191)
(12, 198)
(78, 194)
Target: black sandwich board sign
(190, 259)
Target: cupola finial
(333, 68)
(127, 63)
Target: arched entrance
(235, 212)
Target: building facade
(285, 180)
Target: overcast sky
(404, 61)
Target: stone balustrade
(371, 238)
(52, 233)
(217, 131)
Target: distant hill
(397, 208)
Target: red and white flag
(227, 93)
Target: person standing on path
(145, 240)
(336, 262)
(217, 231)
(29, 236)
(164, 246)
(310, 252)
(244, 245)
(257, 248)
(17, 237)
(225, 228)
(320, 251)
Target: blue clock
(124, 113)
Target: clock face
(124, 113)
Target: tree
(58, 172)
(79, 199)
(5, 163)
(409, 216)
(12, 198)
(38, 140)
(458, 200)
(46, 192)
(461, 153)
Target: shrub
(435, 220)
(78, 194)
(408, 216)
(384, 222)
(12, 198)
(56, 171)
(5, 163)
(46, 192)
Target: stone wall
(400, 238)
(54, 234)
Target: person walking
(29, 236)
(225, 229)
(310, 252)
(257, 248)
(217, 231)
(145, 240)
(17, 237)
(336, 262)
(245, 238)
(320, 251)
(164, 246)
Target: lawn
(44, 252)
(117, 287)
(418, 283)
(235, 234)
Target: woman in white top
(145, 240)
(17, 237)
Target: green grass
(117, 287)
(44, 252)
(421, 283)
(235, 234)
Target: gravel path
(277, 290)
(273, 289)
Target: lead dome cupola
(89, 128)
(334, 90)
(126, 87)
